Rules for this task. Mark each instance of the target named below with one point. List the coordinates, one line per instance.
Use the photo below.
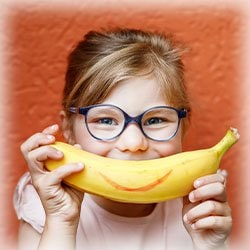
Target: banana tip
(235, 133)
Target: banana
(145, 181)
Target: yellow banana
(145, 181)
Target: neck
(124, 209)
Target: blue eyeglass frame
(182, 113)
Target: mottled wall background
(37, 36)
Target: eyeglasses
(106, 122)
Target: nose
(132, 139)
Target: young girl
(124, 98)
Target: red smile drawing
(142, 188)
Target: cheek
(171, 147)
(89, 143)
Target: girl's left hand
(207, 214)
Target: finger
(215, 191)
(38, 156)
(187, 205)
(39, 139)
(208, 179)
(35, 141)
(51, 129)
(206, 209)
(78, 146)
(57, 175)
(218, 223)
(223, 172)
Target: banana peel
(145, 181)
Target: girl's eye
(107, 121)
(154, 121)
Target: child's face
(134, 96)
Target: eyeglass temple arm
(182, 113)
(74, 110)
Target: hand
(207, 214)
(60, 202)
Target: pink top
(100, 229)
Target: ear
(67, 128)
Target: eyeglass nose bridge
(133, 120)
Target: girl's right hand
(61, 203)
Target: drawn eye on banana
(145, 181)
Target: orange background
(40, 37)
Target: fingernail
(54, 127)
(50, 137)
(59, 153)
(198, 183)
(80, 165)
(191, 197)
(185, 219)
(224, 173)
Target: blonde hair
(102, 59)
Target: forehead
(137, 94)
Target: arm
(28, 237)
(207, 214)
(53, 237)
(62, 204)
(58, 235)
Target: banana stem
(231, 137)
